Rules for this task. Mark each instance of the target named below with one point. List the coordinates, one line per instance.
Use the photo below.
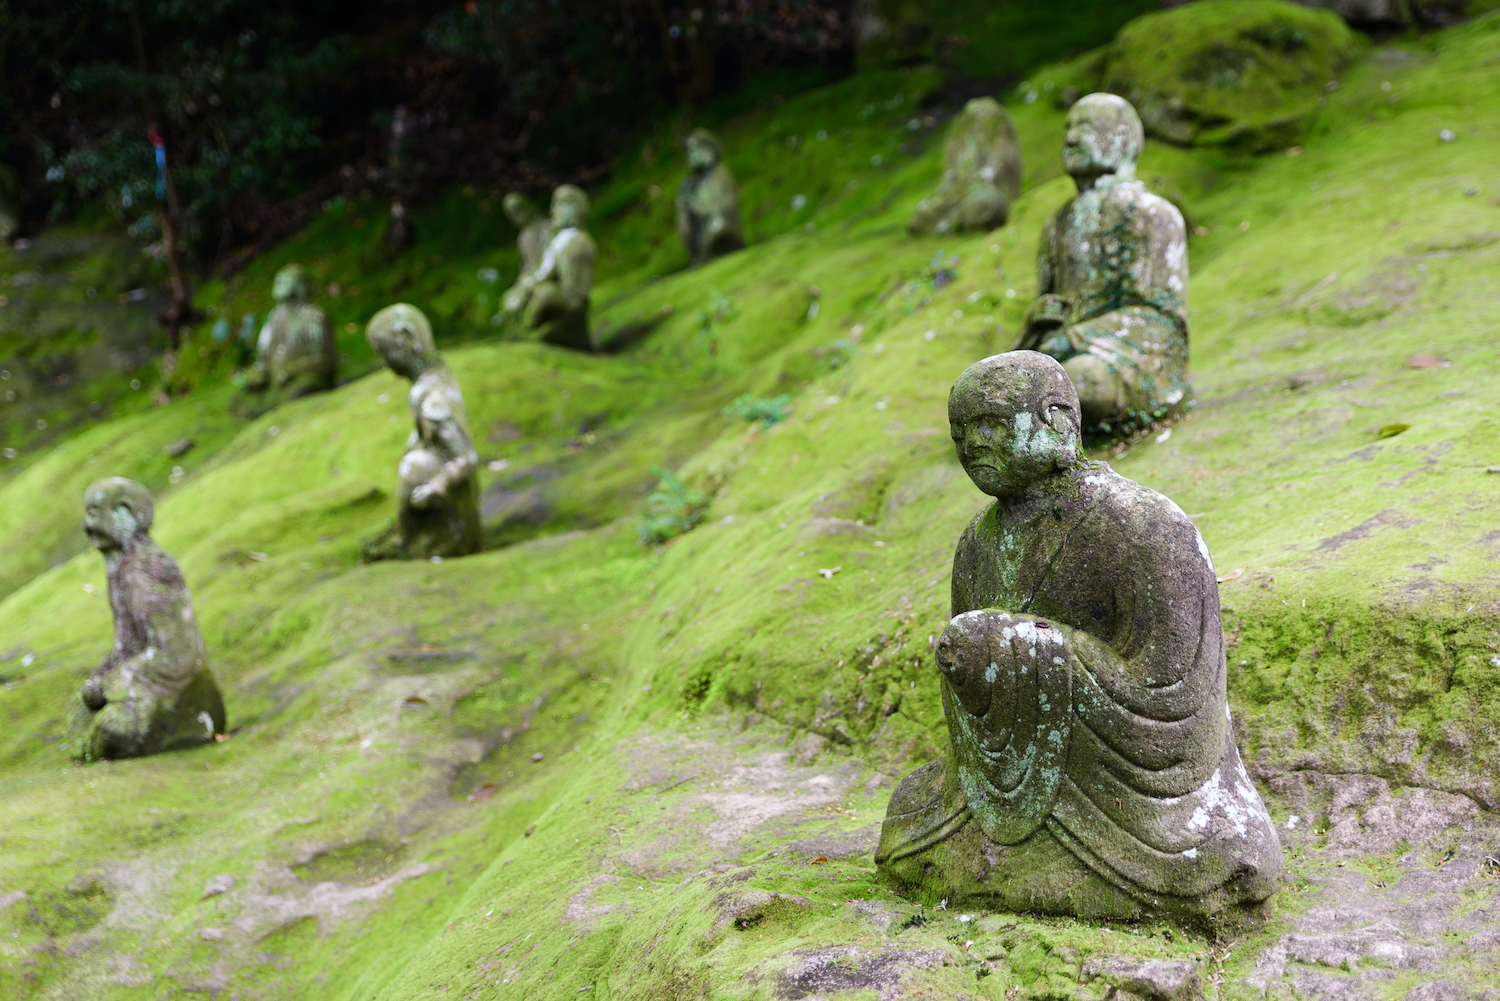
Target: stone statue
(1112, 278)
(708, 210)
(981, 173)
(1092, 767)
(153, 691)
(437, 512)
(296, 353)
(553, 299)
(534, 231)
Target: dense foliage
(264, 110)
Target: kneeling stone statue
(296, 353)
(1112, 277)
(438, 509)
(153, 692)
(1092, 767)
(981, 173)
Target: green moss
(370, 701)
(1246, 73)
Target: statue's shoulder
(721, 178)
(975, 532)
(1146, 518)
(311, 314)
(434, 394)
(582, 245)
(1157, 212)
(148, 563)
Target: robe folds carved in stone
(1086, 704)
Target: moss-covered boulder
(1242, 73)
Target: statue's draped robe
(1118, 254)
(558, 305)
(160, 696)
(297, 350)
(448, 525)
(708, 214)
(1123, 752)
(981, 173)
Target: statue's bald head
(292, 284)
(115, 510)
(570, 206)
(1014, 419)
(402, 336)
(1103, 136)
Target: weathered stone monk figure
(437, 513)
(1112, 277)
(1091, 767)
(553, 299)
(533, 229)
(708, 209)
(296, 353)
(153, 692)
(981, 173)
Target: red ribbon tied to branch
(161, 160)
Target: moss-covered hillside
(576, 764)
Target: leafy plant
(768, 411)
(720, 310)
(919, 289)
(672, 509)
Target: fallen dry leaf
(1427, 361)
(1231, 575)
(482, 792)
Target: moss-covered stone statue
(981, 173)
(1091, 767)
(153, 692)
(437, 511)
(296, 353)
(708, 209)
(552, 300)
(533, 230)
(1112, 278)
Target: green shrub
(673, 509)
(768, 411)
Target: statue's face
(701, 155)
(564, 213)
(290, 285)
(1102, 137)
(1013, 426)
(108, 523)
(401, 355)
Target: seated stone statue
(533, 230)
(296, 353)
(1092, 767)
(981, 173)
(552, 300)
(1112, 277)
(153, 691)
(437, 512)
(708, 210)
